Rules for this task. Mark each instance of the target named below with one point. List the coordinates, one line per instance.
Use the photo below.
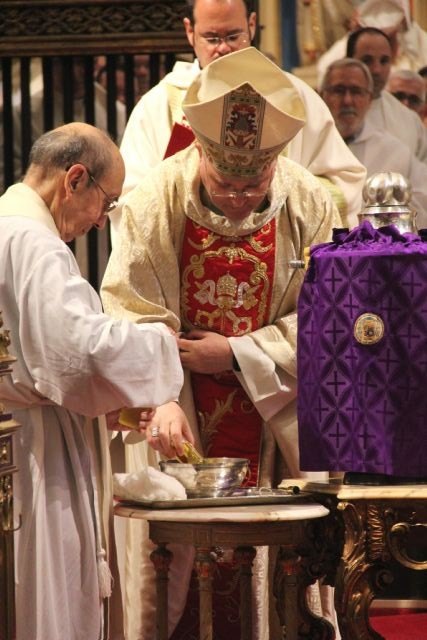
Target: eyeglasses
(233, 40)
(339, 91)
(110, 203)
(411, 98)
(233, 195)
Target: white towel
(148, 485)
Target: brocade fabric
(362, 401)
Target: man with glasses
(109, 203)
(205, 245)
(74, 363)
(409, 88)
(347, 90)
(157, 126)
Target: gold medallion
(368, 328)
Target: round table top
(253, 513)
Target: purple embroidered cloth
(362, 354)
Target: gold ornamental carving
(6, 505)
(7, 426)
(7, 468)
(362, 571)
(401, 527)
(6, 360)
(377, 533)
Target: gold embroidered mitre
(244, 110)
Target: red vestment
(226, 287)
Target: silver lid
(387, 200)
(387, 189)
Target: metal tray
(240, 497)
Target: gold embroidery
(227, 286)
(206, 242)
(212, 237)
(229, 294)
(256, 245)
(209, 422)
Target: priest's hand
(205, 351)
(112, 419)
(167, 430)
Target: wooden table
(383, 527)
(241, 528)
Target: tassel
(105, 579)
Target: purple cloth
(363, 407)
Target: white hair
(406, 74)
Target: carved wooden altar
(385, 528)
(7, 468)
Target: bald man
(73, 363)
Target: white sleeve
(79, 357)
(269, 387)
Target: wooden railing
(50, 54)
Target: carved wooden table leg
(161, 559)
(205, 529)
(320, 551)
(363, 570)
(286, 590)
(244, 557)
(205, 565)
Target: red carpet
(395, 625)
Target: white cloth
(318, 146)
(381, 14)
(149, 126)
(147, 484)
(380, 151)
(388, 114)
(73, 363)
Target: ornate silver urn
(387, 200)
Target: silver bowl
(211, 478)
